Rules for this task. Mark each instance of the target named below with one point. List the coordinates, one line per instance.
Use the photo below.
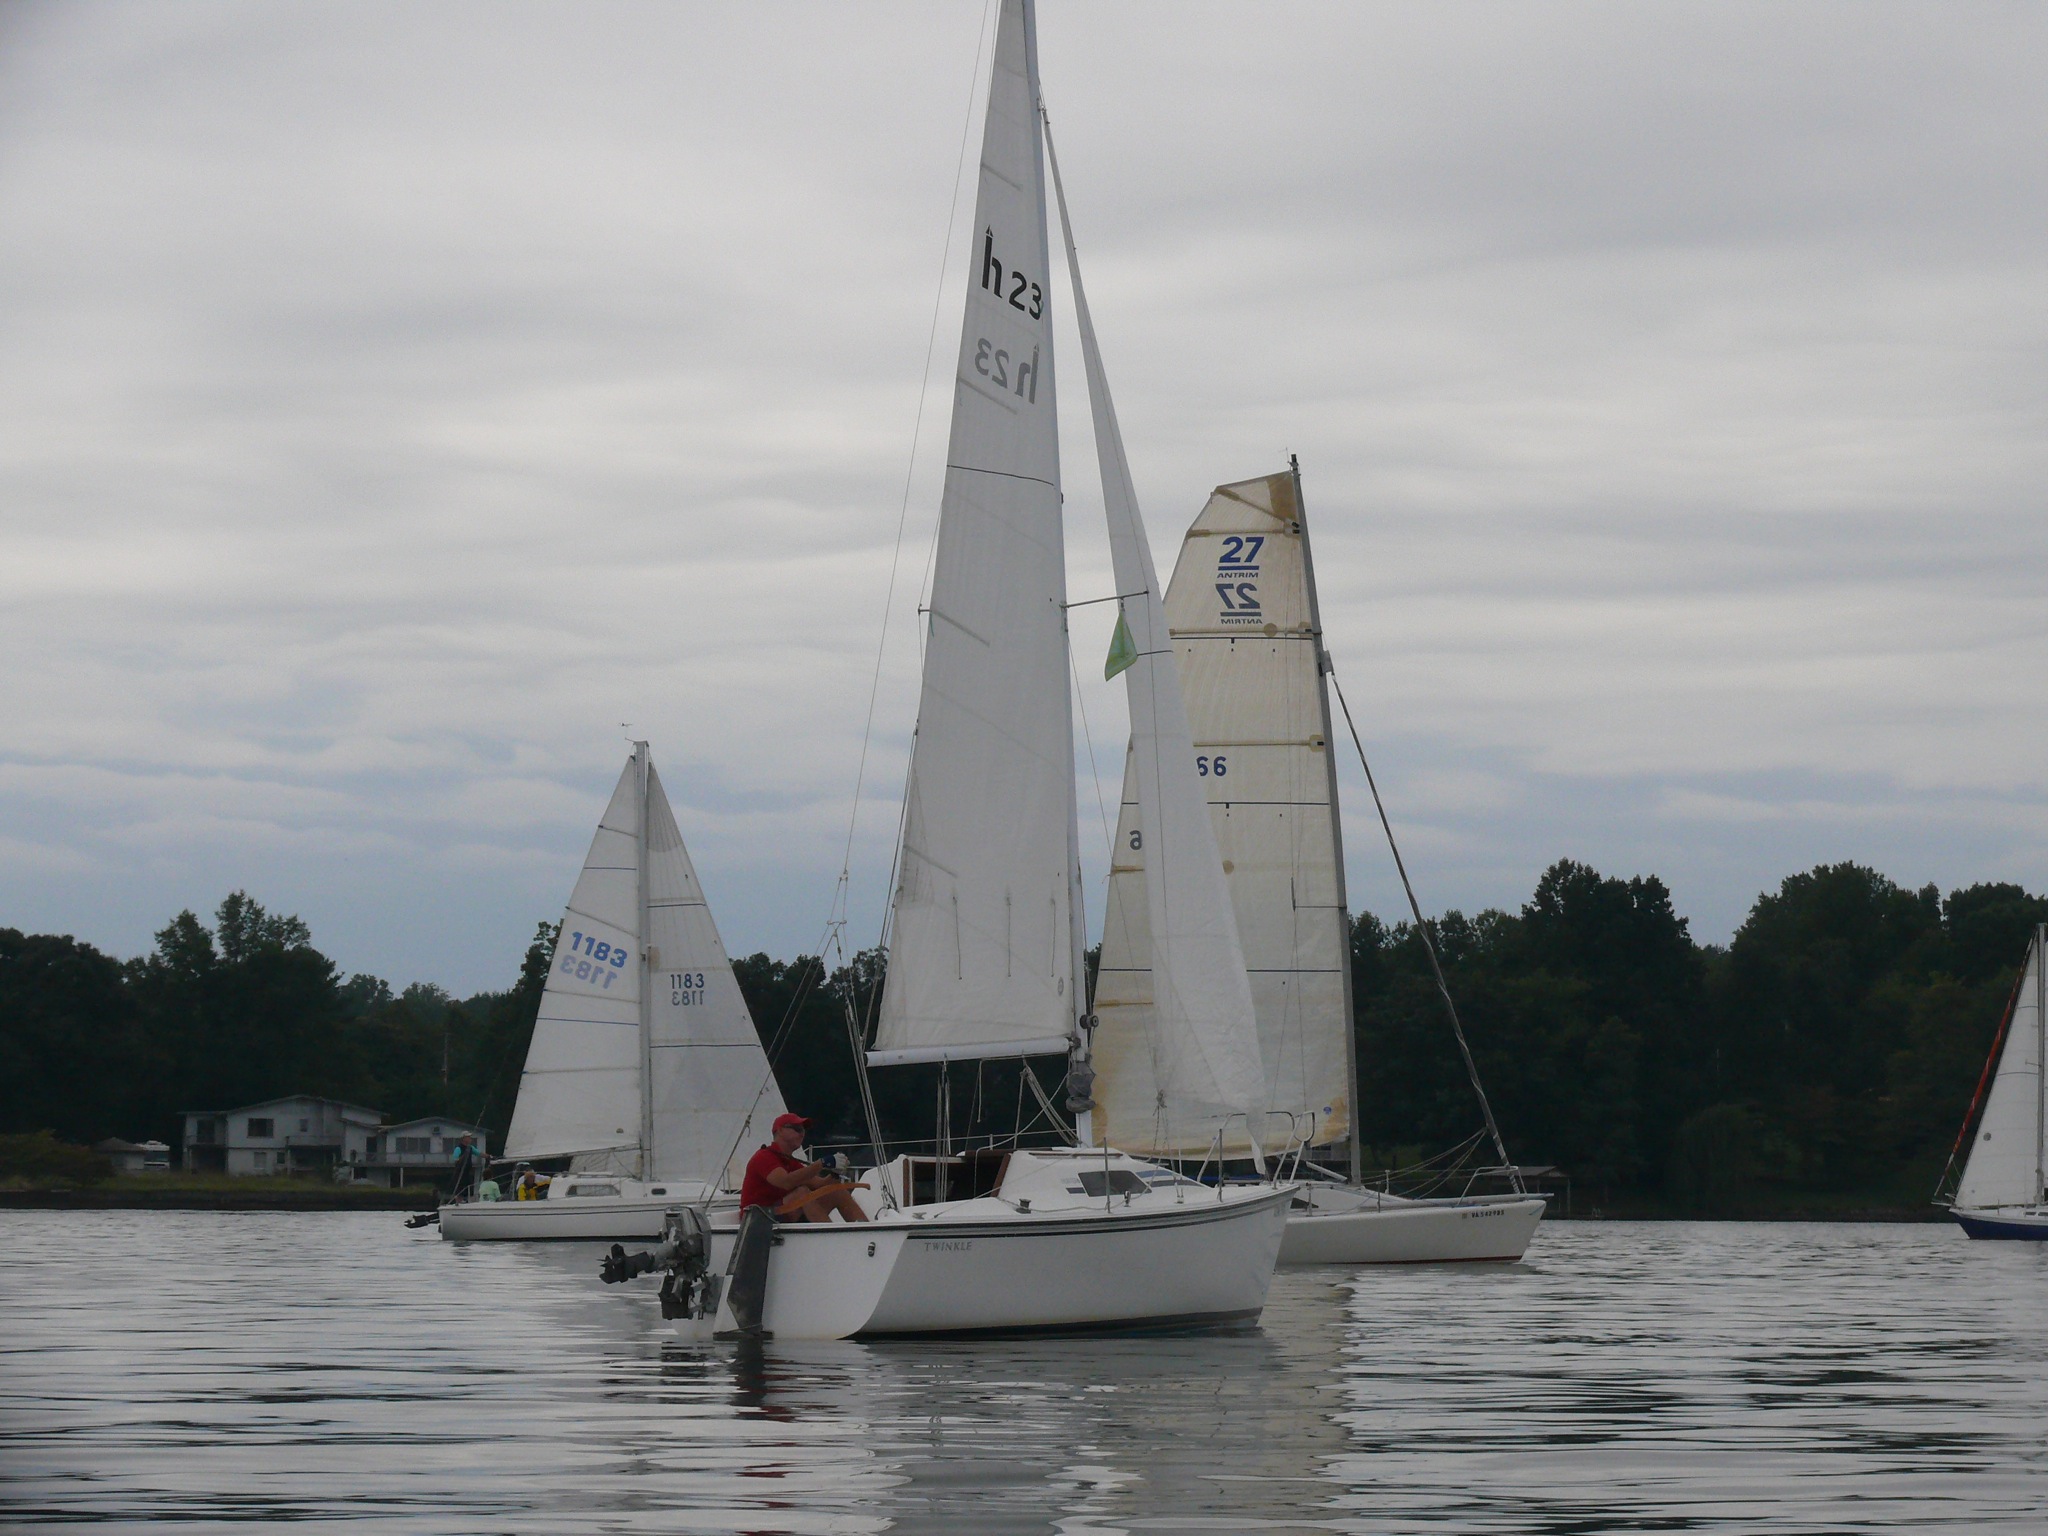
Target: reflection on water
(191, 1372)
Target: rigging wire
(1428, 940)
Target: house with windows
(297, 1134)
(417, 1149)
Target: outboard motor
(688, 1287)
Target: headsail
(581, 1089)
(981, 950)
(1242, 611)
(2006, 1154)
(1204, 1057)
(709, 1078)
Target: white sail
(1203, 1054)
(2005, 1163)
(981, 953)
(664, 1091)
(581, 1089)
(1242, 612)
(709, 1080)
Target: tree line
(1826, 1053)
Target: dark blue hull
(2029, 1229)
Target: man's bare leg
(840, 1200)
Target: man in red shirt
(775, 1173)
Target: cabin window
(265, 1128)
(657, 1191)
(1116, 1181)
(593, 1189)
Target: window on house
(204, 1134)
(262, 1127)
(416, 1146)
(262, 1159)
(303, 1125)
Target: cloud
(395, 403)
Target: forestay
(981, 952)
(2006, 1155)
(709, 1080)
(581, 1089)
(1201, 1058)
(1242, 612)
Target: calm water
(198, 1372)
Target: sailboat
(986, 930)
(1245, 620)
(2004, 1188)
(644, 1069)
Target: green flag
(1123, 650)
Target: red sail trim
(1984, 1077)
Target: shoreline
(425, 1198)
(101, 1198)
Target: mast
(1315, 619)
(1079, 1074)
(647, 959)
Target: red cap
(796, 1120)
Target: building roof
(454, 1125)
(377, 1115)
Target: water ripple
(189, 1372)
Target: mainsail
(662, 1090)
(1202, 1061)
(707, 1074)
(982, 939)
(1243, 615)
(2005, 1166)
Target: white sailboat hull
(982, 1268)
(1353, 1227)
(637, 1211)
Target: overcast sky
(396, 401)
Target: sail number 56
(1217, 765)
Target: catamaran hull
(1414, 1233)
(2026, 1226)
(1189, 1266)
